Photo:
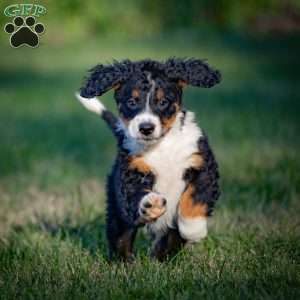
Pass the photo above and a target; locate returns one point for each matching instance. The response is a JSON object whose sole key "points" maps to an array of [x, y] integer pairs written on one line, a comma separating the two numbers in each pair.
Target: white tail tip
{"points": [[91, 104]]}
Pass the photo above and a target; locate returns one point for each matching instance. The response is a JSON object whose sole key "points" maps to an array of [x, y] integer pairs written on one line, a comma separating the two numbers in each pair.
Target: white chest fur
{"points": [[169, 159]]}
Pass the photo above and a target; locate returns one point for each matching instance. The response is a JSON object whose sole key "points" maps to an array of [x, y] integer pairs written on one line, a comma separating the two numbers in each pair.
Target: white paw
{"points": [[152, 206], [91, 104]]}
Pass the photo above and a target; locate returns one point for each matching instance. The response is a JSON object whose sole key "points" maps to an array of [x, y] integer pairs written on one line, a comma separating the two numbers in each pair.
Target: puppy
{"points": [[165, 175]]}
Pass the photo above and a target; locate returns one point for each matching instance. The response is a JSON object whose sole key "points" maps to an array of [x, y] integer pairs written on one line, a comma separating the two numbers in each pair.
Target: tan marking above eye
{"points": [[160, 94], [182, 83], [189, 209], [135, 93]]}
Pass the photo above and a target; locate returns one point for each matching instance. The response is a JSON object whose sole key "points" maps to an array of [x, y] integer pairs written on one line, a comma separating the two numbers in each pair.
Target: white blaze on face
{"points": [[146, 116]]}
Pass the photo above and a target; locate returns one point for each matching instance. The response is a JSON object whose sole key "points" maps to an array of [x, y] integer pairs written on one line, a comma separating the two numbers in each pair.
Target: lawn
{"points": [[54, 157]]}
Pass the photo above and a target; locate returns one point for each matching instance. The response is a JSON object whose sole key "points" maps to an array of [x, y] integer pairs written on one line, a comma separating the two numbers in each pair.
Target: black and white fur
{"points": [[165, 175]]}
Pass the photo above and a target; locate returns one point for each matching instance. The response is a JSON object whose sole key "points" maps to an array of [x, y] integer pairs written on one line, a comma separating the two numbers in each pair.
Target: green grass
{"points": [[54, 157]]}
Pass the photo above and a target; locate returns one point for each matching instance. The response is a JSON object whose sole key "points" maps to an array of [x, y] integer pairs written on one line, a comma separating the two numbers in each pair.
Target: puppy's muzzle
{"points": [[146, 128]]}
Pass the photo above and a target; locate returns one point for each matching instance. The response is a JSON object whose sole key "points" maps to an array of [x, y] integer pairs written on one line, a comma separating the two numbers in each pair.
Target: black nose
{"points": [[146, 128]]}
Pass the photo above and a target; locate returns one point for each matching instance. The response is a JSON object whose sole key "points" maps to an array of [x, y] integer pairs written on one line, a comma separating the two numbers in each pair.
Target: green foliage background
{"points": [[133, 18]]}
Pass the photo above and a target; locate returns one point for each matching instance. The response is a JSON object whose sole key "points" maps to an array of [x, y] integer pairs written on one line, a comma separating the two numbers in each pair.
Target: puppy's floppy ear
{"points": [[103, 78], [192, 71]]}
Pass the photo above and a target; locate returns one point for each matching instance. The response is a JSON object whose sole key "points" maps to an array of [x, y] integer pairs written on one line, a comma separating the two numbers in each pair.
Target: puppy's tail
{"points": [[96, 106]]}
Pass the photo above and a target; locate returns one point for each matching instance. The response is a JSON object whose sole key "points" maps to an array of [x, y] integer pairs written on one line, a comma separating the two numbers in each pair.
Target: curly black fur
{"points": [[195, 72], [192, 71]]}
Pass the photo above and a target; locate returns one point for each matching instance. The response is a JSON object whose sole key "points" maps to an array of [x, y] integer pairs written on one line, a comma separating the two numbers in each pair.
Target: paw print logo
{"points": [[24, 32]]}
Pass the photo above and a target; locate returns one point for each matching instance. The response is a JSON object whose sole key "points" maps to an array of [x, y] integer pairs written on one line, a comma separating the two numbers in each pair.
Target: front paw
{"points": [[152, 206]]}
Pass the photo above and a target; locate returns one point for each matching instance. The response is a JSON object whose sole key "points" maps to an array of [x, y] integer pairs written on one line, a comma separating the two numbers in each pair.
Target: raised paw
{"points": [[152, 206]]}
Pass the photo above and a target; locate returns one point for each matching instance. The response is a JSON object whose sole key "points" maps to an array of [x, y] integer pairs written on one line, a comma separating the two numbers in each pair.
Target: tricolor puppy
{"points": [[165, 175]]}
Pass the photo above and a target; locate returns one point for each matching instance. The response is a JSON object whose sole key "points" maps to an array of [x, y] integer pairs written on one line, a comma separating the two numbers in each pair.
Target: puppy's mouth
{"points": [[148, 140]]}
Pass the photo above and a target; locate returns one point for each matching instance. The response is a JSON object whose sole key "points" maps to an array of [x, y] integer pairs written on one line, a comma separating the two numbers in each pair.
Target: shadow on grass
{"points": [[89, 235]]}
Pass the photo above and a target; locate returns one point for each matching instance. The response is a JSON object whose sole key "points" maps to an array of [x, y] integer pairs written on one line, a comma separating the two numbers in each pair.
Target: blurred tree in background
{"points": [[133, 18], [223, 14]]}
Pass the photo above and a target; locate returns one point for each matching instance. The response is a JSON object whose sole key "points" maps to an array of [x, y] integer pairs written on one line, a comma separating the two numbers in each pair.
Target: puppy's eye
{"points": [[163, 103], [132, 103]]}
